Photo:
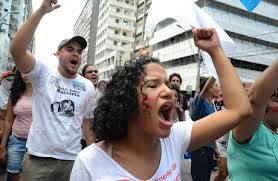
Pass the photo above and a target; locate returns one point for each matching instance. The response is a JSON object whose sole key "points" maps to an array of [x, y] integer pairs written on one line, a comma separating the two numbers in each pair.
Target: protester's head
{"points": [[69, 54], [143, 52], [175, 79], [18, 86], [138, 97], [102, 85], [90, 72], [271, 115], [176, 92]]}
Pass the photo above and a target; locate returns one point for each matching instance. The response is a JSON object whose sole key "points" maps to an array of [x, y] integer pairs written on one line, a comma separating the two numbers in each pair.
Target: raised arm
{"points": [[23, 59], [259, 95], [237, 106]]}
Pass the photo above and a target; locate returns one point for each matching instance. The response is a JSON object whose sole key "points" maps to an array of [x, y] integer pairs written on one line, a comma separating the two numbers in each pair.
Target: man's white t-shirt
{"points": [[93, 163], [59, 106]]}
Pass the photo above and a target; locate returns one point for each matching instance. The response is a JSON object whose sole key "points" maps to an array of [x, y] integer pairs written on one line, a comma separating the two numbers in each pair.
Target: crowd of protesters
{"points": [[136, 126]]}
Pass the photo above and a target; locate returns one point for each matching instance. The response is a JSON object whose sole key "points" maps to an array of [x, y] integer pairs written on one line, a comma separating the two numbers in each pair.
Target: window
{"points": [[115, 42], [117, 20], [124, 33], [125, 22], [127, 1], [116, 32], [126, 12], [6, 10], [117, 10], [123, 43]]}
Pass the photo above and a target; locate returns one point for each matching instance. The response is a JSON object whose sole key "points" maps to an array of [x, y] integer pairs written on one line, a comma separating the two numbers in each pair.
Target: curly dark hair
{"points": [[17, 88], [175, 75], [120, 101]]}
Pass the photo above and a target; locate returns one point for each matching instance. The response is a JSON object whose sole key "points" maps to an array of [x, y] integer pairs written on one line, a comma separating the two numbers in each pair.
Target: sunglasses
{"points": [[92, 71]]}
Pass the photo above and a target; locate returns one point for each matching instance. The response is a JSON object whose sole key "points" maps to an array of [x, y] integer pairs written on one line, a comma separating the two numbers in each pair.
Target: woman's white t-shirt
{"points": [[94, 164]]}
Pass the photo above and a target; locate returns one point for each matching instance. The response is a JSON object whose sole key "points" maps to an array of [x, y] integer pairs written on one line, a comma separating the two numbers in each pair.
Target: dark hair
{"points": [[84, 69], [120, 101], [17, 88], [175, 75]]}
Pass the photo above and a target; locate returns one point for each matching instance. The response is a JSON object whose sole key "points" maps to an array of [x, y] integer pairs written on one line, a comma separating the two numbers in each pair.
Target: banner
{"points": [[186, 12]]}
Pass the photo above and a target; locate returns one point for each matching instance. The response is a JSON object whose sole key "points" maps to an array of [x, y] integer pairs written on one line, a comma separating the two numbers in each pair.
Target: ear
{"points": [[57, 53]]}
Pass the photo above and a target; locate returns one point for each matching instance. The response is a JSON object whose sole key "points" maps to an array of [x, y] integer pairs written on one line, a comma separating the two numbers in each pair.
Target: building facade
{"points": [[13, 14], [255, 34], [115, 34], [86, 26]]}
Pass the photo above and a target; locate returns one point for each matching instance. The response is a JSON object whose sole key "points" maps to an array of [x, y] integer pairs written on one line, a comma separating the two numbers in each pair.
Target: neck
{"points": [[65, 74], [138, 141], [28, 90]]}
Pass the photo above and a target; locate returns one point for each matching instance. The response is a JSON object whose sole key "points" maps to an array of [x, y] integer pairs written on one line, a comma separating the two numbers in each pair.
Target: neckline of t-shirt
{"points": [[64, 78], [124, 171]]}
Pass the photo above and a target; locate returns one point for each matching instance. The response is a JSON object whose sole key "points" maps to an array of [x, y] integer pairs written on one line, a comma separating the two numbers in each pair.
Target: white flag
{"points": [[186, 12]]}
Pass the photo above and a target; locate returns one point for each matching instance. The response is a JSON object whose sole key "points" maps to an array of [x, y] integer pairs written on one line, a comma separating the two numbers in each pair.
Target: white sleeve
{"points": [[39, 74], [79, 171], [182, 131], [91, 104]]}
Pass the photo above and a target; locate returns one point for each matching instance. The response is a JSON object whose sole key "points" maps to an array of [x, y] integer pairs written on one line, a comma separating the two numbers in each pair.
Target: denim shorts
{"points": [[15, 152]]}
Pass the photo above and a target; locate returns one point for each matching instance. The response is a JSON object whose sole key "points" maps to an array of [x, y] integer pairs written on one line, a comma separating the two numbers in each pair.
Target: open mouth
{"points": [[165, 113], [74, 62]]}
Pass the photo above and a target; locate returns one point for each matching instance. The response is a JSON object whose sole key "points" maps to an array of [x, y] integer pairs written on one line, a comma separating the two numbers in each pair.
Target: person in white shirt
{"points": [[133, 121], [63, 103]]}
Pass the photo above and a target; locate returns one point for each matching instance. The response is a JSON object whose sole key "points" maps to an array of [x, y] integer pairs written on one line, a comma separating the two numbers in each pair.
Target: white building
{"points": [[13, 13], [256, 36], [115, 34], [86, 26]]}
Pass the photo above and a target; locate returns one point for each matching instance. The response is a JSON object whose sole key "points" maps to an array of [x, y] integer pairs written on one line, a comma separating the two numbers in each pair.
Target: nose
{"points": [[166, 92]]}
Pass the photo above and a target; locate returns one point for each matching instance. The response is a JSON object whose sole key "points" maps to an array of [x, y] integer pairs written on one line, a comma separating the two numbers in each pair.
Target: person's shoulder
{"points": [[89, 153]]}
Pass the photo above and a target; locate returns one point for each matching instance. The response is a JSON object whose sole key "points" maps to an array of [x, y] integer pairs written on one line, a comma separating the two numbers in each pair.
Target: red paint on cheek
{"points": [[148, 103]]}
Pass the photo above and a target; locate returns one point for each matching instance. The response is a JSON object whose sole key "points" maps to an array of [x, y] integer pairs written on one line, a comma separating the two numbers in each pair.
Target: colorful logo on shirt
{"points": [[79, 86], [64, 108]]}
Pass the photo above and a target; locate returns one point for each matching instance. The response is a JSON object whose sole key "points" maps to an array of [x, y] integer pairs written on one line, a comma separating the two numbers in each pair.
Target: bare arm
{"points": [[6, 131], [88, 132], [236, 101], [205, 91], [23, 59], [259, 94]]}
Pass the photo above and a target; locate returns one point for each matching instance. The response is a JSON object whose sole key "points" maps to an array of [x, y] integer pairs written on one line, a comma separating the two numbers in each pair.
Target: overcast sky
{"points": [[55, 27]]}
